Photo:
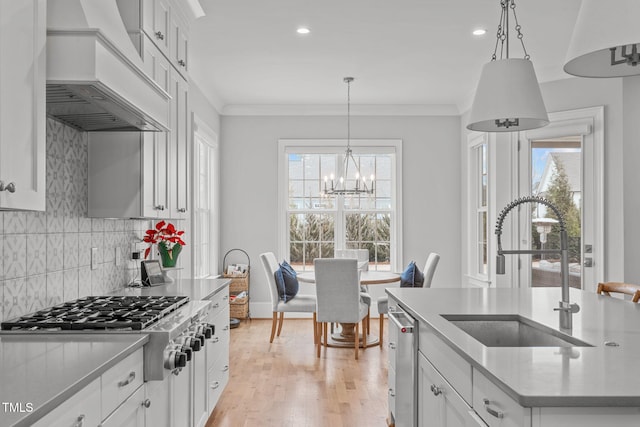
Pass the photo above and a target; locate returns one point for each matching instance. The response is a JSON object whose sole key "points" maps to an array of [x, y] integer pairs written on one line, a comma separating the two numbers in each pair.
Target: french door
{"points": [[563, 163]]}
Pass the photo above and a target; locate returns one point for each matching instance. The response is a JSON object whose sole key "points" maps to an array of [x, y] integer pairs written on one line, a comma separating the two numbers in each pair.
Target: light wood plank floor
{"points": [[285, 384]]}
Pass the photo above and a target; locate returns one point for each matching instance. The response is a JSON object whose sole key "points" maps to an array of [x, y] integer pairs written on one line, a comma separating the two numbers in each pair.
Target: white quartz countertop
{"points": [[195, 289], [42, 371], [542, 376]]}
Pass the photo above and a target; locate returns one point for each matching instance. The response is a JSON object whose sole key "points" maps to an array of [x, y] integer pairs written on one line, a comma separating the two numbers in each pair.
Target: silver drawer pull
{"points": [[216, 339], [215, 385], [490, 410], [226, 368], [159, 35], [130, 378], [392, 393], [146, 403], [10, 187], [216, 305], [79, 421], [182, 63], [392, 345], [435, 390], [226, 328], [182, 210]]}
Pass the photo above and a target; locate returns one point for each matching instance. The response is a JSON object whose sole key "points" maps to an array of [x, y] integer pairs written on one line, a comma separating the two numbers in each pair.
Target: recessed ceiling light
{"points": [[303, 30], [479, 32]]}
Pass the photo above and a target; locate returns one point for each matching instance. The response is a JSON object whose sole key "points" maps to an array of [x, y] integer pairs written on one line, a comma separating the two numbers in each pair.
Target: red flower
{"points": [[165, 233]]}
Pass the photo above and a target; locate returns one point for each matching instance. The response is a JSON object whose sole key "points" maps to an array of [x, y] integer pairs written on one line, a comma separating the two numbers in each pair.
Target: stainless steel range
{"points": [[176, 326]]}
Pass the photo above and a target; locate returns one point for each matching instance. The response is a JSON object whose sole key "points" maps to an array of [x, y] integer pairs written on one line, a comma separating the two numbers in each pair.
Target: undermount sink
{"points": [[511, 330]]}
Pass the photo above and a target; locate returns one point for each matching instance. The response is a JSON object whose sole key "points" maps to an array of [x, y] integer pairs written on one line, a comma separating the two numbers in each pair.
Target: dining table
{"points": [[345, 335]]}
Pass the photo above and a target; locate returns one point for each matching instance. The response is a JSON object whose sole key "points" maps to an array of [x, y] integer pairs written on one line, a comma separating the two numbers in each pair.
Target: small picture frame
{"points": [[152, 273]]}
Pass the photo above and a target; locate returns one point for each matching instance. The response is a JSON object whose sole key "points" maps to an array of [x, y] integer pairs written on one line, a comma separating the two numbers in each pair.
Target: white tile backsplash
{"points": [[45, 257]]}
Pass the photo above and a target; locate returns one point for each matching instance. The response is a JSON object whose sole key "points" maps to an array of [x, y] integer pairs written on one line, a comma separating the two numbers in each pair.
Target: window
{"points": [[205, 221], [314, 225], [478, 207]]}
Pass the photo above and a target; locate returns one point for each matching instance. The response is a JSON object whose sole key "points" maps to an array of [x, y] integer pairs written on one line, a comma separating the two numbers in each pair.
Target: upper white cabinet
{"points": [[22, 104], [179, 170]]}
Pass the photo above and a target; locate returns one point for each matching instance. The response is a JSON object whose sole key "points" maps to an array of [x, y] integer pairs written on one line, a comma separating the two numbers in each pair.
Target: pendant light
{"points": [[605, 40], [341, 187], [508, 96]]}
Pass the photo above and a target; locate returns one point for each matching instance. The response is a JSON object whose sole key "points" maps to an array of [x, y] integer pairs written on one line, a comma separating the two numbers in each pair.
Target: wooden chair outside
{"points": [[619, 287]]}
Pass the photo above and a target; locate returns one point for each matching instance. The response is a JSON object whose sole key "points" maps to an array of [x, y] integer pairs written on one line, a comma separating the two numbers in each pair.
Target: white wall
{"points": [[431, 185], [575, 93]]}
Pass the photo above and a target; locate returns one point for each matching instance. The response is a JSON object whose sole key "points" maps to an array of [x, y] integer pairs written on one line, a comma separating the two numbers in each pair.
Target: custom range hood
{"points": [[95, 77]]}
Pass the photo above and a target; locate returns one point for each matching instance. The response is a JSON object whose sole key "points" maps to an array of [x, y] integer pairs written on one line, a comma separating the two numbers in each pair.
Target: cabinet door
{"points": [[130, 413], [159, 412], [180, 384], [22, 104], [438, 403], [179, 44], [83, 408], [180, 143], [155, 23]]}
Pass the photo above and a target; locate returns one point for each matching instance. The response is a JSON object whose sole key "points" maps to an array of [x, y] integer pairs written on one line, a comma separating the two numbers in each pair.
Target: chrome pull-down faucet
{"points": [[565, 308]]}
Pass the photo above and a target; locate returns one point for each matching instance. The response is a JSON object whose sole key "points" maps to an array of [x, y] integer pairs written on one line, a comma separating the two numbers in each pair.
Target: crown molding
{"points": [[339, 110]]}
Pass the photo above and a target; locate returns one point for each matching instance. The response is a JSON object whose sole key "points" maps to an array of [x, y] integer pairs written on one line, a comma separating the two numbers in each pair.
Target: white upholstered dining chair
{"points": [[429, 270], [300, 303], [338, 298]]}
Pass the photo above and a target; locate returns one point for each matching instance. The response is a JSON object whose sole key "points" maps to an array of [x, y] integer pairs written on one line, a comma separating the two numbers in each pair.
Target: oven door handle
{"points": [[402, 321]]}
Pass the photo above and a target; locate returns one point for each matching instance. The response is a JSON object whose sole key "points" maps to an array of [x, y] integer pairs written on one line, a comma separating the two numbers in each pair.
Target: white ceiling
{"points": [[418, 54]]}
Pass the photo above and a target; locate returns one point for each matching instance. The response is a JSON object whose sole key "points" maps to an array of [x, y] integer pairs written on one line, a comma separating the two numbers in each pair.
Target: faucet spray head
{"points": [[500, 264]]}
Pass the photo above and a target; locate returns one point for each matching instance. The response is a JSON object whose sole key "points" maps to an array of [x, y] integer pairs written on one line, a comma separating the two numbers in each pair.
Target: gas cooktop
{"points": [[96, 313]]}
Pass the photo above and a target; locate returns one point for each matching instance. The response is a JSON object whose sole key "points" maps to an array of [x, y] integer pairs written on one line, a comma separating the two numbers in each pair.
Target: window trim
{"points": [[474, 141], [374, 146]]}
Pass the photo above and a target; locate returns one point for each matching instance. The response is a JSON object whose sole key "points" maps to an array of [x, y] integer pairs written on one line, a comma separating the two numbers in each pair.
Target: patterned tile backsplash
{"points": [[45, 257]]}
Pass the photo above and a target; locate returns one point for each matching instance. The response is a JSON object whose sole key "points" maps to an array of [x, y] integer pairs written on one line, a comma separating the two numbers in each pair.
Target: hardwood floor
{"points": [[285, 384]]}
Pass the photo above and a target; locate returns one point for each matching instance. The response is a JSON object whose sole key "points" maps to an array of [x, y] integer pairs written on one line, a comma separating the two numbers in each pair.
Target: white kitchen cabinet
{"points": [[83, 408], [179, 146], [22, 105], [156, 22], [439, 405], [159, 412], [130, 414], [217, 351], [179, 45], [495, 407]]}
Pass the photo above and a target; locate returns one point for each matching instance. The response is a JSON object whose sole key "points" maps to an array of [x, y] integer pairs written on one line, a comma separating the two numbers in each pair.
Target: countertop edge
{"points": [[74, 388]]}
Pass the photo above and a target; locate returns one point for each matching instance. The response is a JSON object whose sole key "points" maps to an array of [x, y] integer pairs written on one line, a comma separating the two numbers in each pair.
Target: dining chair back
{"points": [[619, 287], [429, 270], [338, 296], [300, 303]]}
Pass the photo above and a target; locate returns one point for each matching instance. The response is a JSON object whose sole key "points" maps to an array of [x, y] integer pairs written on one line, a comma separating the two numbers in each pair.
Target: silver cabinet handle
{"points": [[79, 421], [496, 413], [392, 393], [392, 345], [159, 35], [159, 207], [130, 378], [215, 385], [435, 390], [146, 403], [182, 63], [215, 340], [226, 328], [226, 368], [182, 210], [10, 187]]}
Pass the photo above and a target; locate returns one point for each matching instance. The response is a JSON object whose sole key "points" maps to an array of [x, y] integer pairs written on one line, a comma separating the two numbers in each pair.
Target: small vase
{"points": [[169, 256]]}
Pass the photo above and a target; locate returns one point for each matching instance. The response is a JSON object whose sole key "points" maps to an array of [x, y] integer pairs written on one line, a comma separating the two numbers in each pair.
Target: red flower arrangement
{"points": [[165, 235]]}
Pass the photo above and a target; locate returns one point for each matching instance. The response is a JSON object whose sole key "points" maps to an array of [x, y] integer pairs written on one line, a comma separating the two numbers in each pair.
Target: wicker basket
{"points": [[238, 308]]}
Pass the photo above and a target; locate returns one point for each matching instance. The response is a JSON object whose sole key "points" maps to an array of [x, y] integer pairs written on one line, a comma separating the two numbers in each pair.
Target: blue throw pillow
{"points": [[291, 284], [279, 283], [411, 277]]}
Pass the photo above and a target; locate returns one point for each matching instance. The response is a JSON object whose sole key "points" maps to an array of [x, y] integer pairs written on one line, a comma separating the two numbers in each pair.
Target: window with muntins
{"points": [[317, 224]]}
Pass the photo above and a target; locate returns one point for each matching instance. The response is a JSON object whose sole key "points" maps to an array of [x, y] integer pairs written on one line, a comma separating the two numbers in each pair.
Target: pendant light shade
{"points": [[508, 98], [605, 40]]}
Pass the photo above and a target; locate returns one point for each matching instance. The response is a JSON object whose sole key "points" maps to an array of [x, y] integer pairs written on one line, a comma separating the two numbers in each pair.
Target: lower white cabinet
{"points": [[439, 405], [495, 406], [131, 413], [159, 412], [83, 408]]}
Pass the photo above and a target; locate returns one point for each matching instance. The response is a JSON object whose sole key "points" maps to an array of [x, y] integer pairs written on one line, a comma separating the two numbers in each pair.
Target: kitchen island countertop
{"points": [[601, 375], [39, 372]]}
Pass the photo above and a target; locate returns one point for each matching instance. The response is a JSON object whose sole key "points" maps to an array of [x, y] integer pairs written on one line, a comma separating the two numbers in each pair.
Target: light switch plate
{"points": [[94, 258]]}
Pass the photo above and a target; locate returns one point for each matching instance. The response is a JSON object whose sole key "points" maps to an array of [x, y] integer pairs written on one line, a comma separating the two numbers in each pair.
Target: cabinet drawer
{"points": [[218, 378], [119, 382], [218, 345], [219, 302], [129, 414], [449, 363], [83, 406], [495, 407]]}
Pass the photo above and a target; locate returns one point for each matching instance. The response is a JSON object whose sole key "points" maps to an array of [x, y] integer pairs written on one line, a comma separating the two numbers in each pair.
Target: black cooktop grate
{"points": [[106, 312]]}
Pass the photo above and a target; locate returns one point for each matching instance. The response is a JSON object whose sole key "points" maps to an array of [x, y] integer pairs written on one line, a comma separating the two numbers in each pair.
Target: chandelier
{"points": [[508, 97], [340, 188]]}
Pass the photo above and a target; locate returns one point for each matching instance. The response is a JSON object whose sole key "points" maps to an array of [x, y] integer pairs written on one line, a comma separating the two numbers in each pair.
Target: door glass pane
{"points": [[557, 176]]}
